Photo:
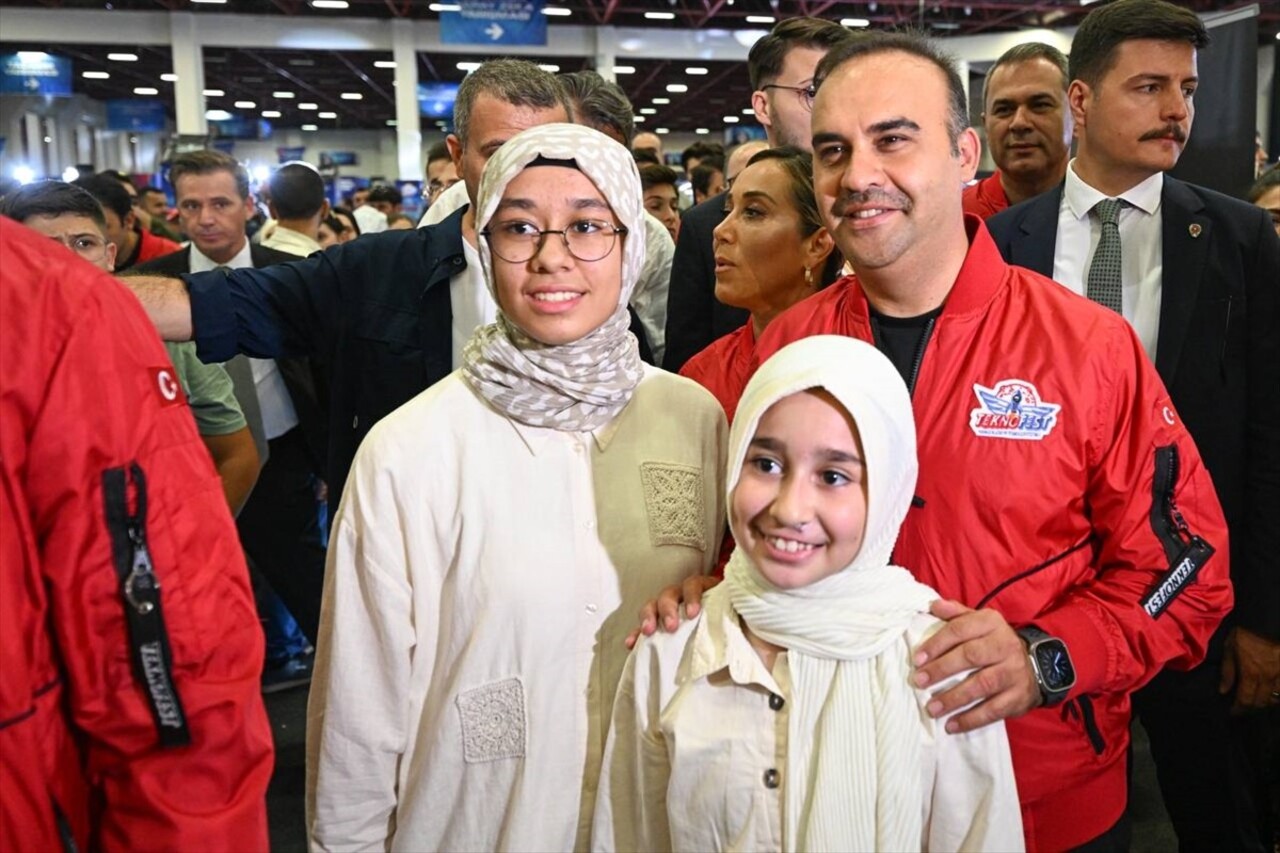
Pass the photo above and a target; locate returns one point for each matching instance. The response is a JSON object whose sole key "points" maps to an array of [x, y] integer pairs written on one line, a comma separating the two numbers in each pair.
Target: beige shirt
{"points": [[287, 240], [482, 576], [697, 752]]}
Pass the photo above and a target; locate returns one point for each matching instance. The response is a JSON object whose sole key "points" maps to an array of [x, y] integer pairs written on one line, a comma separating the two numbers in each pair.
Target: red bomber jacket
{"points": [[131, 716], [1059, 487]]}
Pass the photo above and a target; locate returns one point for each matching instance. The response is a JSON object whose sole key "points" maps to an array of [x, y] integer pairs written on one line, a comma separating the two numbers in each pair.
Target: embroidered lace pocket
{"points": [[673, 503], [493, 721]]}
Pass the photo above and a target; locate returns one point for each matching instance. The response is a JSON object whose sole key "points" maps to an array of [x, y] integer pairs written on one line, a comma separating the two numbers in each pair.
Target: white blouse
{"points": [[482, 575], [697, 752]]}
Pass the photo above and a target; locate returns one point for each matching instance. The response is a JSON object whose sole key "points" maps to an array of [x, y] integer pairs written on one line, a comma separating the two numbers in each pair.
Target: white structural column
{"points": [[188, 64], [408, 118], [606, 52]]}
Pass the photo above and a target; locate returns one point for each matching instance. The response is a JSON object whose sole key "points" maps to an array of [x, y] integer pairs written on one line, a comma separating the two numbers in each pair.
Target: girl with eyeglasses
{"points": [[499, 531]]}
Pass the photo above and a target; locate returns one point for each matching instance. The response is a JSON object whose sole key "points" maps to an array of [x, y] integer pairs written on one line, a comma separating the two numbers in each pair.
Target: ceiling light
{"points": [[213, 93], [217, 115], [558, 11], [748, 111], [385, 63], [660, 16], [624, 69], [445, 7], [307, 105], [329, 4], [209, 1], [23, 174], [310, 127], [662, 101], [123, 57], [245, 105], [326, 115], [731, 119], [854, 22], [648, 111], [391, 122], [69, 174], [302, 63], [467, 66], [550, 69], [637, 118], [661, 130], [760, 19], [945, 25], [145, 90], [702, 131], [695, 72], [351, 96], [96, 75], [282, 94], [271, 114], [677, 87]]}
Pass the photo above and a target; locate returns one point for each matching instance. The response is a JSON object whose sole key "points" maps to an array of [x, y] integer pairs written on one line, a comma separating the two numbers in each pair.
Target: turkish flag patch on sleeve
{"points": [[168, 389]]}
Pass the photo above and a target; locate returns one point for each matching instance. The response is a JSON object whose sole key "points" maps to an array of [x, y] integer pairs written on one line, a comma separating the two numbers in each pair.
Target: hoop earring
{"points": [[808, 276]]}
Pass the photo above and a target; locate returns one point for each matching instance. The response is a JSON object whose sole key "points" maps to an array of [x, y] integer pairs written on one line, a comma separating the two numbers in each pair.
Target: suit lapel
{"points": [[1034, 250], [1186, 232]]}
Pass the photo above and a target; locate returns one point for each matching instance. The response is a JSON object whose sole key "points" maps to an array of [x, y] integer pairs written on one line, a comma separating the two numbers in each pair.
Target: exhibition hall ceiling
{"points": [[355, 89]]}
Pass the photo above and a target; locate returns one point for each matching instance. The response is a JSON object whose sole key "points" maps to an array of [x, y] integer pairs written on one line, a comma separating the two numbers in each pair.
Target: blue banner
{"points": [[30, 72], [137, 114], [290, 153], [435, 100], [239, 127], [338, 158], [495, 22]]}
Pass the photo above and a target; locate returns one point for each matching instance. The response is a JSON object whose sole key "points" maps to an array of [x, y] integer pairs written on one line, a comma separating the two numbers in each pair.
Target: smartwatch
{"points": [[1051, 663]]}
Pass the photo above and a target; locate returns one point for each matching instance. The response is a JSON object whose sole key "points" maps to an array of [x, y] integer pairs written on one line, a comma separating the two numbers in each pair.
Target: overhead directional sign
{"points": [[495, 22], [30, 72]]}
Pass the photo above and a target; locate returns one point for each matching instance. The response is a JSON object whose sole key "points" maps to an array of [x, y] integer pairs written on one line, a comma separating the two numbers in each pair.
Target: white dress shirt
{"points": [[698, 729], [287, 240], [471, 303], [278, 414], [482, 575], [1141, 246]]}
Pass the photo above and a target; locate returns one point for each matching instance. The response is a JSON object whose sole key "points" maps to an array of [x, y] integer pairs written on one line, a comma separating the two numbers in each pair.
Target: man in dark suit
{"points": [[1199, 277], [279, 523], [781, 66]]}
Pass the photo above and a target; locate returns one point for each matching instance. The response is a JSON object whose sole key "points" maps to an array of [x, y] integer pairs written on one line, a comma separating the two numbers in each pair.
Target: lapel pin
{"points": [[1194, 229]]}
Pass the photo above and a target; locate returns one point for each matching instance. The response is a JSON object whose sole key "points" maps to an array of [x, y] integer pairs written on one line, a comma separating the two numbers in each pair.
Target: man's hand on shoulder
{"points": [[666, 607], [1002, 683]]}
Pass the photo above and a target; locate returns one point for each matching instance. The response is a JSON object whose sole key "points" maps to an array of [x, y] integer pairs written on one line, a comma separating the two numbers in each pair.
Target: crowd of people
{"points": [[821, 497]]}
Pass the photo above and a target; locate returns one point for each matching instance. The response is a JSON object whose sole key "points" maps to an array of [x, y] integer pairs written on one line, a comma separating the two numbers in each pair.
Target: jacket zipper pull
{"points": [[141, 585]]}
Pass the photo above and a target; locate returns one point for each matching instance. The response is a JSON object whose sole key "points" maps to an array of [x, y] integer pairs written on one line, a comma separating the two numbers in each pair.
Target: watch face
{"points": [[1055, 665]]}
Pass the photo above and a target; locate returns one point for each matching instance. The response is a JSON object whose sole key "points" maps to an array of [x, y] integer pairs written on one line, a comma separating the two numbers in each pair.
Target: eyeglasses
{"points": [[518, 241], [806, 94]]}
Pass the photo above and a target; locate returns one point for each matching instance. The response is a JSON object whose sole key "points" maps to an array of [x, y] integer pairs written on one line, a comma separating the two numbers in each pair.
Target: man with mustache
{"points": [[1025, 116], [1199, 276]]}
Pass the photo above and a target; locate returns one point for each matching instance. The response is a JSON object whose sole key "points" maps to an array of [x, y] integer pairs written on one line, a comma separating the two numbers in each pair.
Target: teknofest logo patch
{"points": [[1012, 409]]}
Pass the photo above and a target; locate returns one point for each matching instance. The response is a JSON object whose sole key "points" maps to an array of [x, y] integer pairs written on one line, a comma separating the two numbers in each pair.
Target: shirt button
{"points": [[776, 702], [591, 608], [591, 525], [771, 778], [355, 422]]}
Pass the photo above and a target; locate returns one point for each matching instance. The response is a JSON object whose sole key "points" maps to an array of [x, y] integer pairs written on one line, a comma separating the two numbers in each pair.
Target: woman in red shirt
{"points": [[771, 251]]}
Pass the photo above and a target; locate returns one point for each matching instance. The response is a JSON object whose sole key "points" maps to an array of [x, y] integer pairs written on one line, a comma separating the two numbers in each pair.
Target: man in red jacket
{"points": [[130, 712], [1061, 510]]}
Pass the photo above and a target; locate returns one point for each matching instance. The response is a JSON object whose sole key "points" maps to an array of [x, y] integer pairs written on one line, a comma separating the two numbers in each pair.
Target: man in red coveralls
{"points": [[130, 654], [1062, 510]]}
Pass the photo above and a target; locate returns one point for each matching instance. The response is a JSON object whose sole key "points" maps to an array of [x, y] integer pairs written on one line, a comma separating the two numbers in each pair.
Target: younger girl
{"points": [[782, 718]]}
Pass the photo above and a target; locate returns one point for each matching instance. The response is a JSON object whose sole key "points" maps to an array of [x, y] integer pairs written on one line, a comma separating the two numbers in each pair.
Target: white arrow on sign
{"points": [[494, 31]]}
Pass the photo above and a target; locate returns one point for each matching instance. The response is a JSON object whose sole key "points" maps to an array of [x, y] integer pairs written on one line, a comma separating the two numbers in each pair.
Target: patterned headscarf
{"points": [[853, 741], [584, 384]]}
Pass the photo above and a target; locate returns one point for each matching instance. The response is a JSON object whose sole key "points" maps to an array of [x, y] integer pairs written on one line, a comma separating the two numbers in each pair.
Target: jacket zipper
{"points": [[919, 356], [140, 591], [1187, 553]]}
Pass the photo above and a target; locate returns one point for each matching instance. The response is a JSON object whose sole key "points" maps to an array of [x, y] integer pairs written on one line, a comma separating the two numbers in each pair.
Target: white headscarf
{"points": [[584, 384], [853, 765]]}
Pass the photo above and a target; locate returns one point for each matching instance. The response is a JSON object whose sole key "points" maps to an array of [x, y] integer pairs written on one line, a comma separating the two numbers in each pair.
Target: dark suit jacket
{"points": [[305, 380], [1218, 353], [695, 317]]}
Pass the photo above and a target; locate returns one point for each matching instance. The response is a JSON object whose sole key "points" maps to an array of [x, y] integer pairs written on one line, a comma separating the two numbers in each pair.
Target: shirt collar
{"points": [[1080, 198], [719, 643], [200, 262]]}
